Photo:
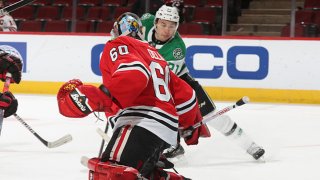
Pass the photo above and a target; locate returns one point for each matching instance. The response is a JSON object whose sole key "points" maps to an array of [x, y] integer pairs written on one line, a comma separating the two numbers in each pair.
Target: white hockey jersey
{"points": [[7, 24]]}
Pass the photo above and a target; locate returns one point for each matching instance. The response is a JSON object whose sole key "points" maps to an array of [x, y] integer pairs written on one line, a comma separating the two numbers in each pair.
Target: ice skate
{"points": [[174, 151], [256, 152]]}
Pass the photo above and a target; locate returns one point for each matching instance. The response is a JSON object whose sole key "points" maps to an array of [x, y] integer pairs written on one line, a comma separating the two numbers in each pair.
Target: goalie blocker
{"points": [[78, 100]]}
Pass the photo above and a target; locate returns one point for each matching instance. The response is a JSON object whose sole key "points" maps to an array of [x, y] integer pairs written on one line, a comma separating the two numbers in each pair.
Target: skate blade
{"points": [[261, 160]]}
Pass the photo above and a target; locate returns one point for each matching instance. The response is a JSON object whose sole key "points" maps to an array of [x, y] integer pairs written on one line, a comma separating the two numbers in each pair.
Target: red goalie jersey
{"points": [[146, 93]]}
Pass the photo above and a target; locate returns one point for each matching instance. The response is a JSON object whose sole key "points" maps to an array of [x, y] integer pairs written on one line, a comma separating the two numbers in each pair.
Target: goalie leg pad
{"points": [[160, 174], [109, 171]]}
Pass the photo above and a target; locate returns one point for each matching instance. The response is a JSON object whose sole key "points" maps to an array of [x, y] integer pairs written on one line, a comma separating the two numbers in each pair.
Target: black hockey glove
{"points": [[10, 64], [8, 103]]}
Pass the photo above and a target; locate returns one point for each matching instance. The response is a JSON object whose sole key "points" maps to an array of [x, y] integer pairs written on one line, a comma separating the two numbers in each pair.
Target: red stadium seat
{"points": [[113, 3], [190, 28], [41, 2], [312, 4], [120, 10], [94, 13], [192, 3], [84, 26], [89, 2], [188, 14], [30, 26], [305, 16], [104, 26], [299, 30], [48, 13], [25, 12], [204, 15], [316, 18], [57, 26], [63, 3], [214, 3], [106, 14], [67, 13], [12, 1], [130, 3]]}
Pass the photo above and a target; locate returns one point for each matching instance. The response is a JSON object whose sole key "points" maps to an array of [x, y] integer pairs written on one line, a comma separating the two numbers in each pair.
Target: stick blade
{"points": [[65, 139]]}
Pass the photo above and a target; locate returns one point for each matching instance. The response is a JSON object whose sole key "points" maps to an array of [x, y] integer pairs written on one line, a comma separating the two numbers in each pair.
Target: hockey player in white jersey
{"points": [[7, 23]]}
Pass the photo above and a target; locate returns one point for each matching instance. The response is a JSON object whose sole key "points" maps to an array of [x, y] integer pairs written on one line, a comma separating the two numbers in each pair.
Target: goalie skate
{"points": [[174, 151], [256, 151]]}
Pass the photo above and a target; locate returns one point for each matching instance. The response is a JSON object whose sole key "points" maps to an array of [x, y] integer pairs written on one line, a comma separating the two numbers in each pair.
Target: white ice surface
{"points": [[289, 133]]}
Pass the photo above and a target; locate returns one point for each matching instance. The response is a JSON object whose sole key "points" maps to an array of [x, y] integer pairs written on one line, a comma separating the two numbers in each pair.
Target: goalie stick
{"points": [[210, 117], [15, 6], [103, 135], [103, 140]]}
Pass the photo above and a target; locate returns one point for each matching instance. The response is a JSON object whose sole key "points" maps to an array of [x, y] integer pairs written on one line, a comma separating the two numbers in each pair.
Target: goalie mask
{"points": [[4, 49], [127, 24]]}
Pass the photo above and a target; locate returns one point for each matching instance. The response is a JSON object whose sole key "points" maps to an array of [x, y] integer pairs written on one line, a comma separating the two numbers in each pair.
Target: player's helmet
{"points": [[127, 24], [168, 13], [4, 49]]}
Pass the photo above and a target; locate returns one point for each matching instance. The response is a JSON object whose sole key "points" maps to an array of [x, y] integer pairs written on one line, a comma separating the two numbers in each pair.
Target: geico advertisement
{"points": [[271, 64]]}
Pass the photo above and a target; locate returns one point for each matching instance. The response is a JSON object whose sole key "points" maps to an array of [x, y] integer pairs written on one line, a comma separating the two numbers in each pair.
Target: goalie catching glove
{"points": [[78, 100], [8, 103]]}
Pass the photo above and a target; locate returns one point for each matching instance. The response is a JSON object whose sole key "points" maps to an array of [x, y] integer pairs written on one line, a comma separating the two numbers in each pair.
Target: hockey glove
{"points": [[191, 134], [12, 65], [8, 103], [78, 100]]}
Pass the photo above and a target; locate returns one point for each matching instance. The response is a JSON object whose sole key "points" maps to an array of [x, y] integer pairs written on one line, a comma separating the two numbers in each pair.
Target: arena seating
{"points": [[200, 16]]}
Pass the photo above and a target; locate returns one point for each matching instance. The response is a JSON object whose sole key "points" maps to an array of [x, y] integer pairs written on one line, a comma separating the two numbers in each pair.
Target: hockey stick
{"points": [[103, 135], [240, 102], [15, 6], [63, 140], [57, 143], [5, 88], [105, 139]]}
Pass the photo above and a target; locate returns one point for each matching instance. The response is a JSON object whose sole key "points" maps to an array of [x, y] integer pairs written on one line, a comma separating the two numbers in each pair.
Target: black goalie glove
{"points": [[9, 63], [8, 103]]}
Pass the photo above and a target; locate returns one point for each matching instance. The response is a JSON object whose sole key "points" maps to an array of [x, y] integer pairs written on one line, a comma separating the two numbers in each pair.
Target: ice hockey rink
{"points": [[290, 133]]}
